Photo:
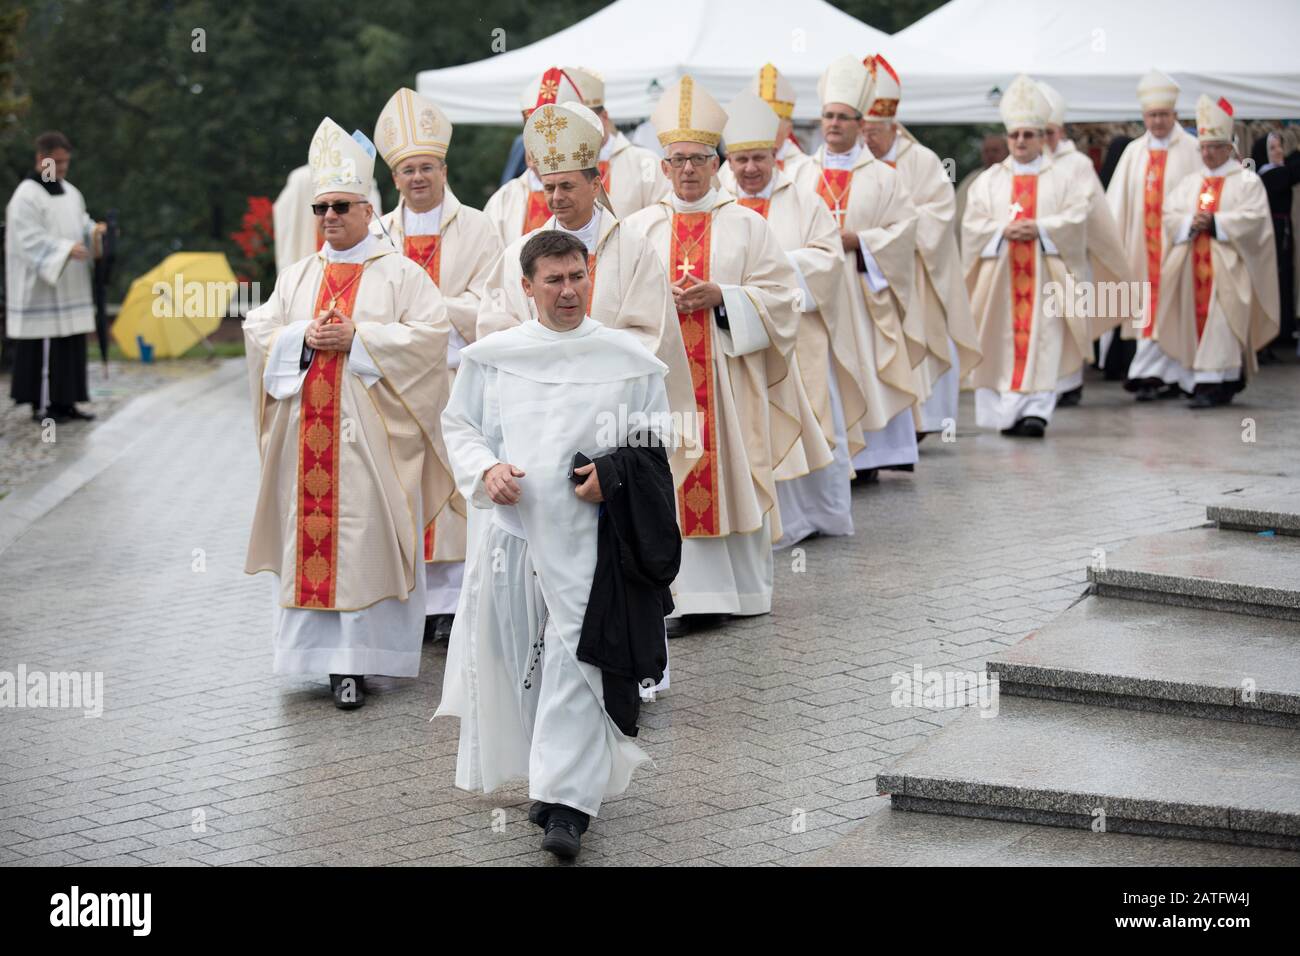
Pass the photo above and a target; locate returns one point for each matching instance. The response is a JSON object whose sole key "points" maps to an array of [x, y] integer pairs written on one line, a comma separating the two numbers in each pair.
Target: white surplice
{"points": [[48, 292], [532, 396]]}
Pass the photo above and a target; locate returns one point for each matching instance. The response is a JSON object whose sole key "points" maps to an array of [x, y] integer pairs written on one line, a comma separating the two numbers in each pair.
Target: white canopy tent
{"points": [[641, 47], [1094, 52]]}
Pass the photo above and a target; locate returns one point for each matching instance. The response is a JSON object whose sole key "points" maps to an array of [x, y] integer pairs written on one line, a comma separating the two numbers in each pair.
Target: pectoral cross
{"points": [[1016, 210], [685, 267], [1207, 199]]}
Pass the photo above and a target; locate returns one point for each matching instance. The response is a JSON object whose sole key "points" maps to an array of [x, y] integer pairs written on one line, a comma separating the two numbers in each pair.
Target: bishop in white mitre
{"points": [[776, 90], [628, 286], [1108, 265], [735, 299], [296, 232], [877, 221], [814, 497], [939, 312], [519, 207], [1218, 283], [630, 175], [1146, 174], [1023, 231], [347, 364], [455, 246]]}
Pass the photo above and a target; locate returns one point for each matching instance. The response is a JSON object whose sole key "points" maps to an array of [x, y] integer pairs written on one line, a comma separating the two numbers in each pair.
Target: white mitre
{"points": [[1023, 105], [1157, 91], [1213, 120], [411, 125], [339, 164]]}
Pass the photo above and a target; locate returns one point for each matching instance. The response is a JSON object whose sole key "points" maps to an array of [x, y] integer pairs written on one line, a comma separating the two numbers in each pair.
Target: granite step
{"points": [[1280, 515], [1237, 571], [1162, 658], [1076, 765], [896, 838]]}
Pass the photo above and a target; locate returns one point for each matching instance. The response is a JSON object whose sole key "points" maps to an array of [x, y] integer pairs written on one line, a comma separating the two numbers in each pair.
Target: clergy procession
{"points": [[659, 430], [560, 431]]}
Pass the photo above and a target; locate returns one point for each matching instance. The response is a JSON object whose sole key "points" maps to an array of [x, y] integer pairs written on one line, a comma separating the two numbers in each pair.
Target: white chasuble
{"points": [[748, 417], [1028, 339], [456, 246], [870, 199], [1219, 299], [352, 459]]}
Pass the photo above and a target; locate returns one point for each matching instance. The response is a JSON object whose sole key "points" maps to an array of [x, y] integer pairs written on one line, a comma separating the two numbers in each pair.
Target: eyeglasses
{"points": [[698, 161], [1023, 134], [842, 117], [340, 208]]}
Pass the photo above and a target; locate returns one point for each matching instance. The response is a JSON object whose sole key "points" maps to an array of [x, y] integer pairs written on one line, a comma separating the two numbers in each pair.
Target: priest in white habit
{"points": [[455, 246], [296, 231], [630, 175], [49, 244], [347, 363], [1107, 262], [735, 295], [877, 221], [1149, 169], [1024, 229], [1219, 292], [939, 313], [525, 401], [813, 500], [628, 288], [519, 207]]}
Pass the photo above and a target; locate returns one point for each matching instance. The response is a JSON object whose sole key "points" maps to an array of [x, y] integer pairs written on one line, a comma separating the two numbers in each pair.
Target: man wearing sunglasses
{"points": [[455, 246], [347, 362], [1023, 230]]}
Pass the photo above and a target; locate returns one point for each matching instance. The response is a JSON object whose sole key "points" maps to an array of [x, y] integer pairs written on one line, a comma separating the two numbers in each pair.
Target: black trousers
{"points": [[67, 372]]}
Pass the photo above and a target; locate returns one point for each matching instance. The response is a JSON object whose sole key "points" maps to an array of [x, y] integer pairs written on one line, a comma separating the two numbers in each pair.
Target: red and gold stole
{"points": [[537, 212], [603, 168], [1202, 262], [699, 497], [834, 187], [757, 204], [1153, 200], [318, 452], [426, 252], [1024, 204]]}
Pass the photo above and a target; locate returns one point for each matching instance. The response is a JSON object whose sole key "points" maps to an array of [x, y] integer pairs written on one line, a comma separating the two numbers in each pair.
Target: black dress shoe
{"points": [[866, 476], [430, 626], [349, 690], [562, 829], [908, 467], [1203, 398], [1147, 394], [442, 628], [677, 627], [79, 415], [1071, 398], [1170, 391], [1031, 426]]}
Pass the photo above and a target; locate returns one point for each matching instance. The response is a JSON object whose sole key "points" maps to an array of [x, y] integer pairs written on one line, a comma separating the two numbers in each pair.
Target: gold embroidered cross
{"points": [[550, 124]]}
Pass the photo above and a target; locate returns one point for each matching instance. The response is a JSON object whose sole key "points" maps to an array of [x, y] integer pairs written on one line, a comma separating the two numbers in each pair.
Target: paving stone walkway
{"points": [[766, 748]]}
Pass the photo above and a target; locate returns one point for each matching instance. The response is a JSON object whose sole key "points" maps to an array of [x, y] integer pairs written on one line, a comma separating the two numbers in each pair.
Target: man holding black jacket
{"points": [[526, 401]]}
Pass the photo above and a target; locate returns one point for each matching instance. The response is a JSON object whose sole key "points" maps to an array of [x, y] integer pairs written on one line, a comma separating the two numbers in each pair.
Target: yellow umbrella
{"points": [[176, 304]]}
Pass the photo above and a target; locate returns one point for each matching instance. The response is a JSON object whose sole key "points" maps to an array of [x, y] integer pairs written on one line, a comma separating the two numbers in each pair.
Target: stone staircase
{"points": [[1164, 704]]}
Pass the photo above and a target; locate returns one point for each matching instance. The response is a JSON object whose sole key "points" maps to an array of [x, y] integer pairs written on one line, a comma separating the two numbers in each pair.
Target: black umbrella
{"points": [[103, 274]]}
